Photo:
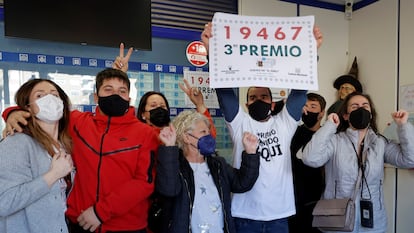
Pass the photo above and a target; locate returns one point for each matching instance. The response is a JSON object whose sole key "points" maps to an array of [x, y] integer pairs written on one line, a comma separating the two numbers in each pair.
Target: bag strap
{"points": [[357, 184], [360, 164]]}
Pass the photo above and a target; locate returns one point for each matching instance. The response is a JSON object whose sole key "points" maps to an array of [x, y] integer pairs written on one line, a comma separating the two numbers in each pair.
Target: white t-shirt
{"points": [[272, 196], [207, 213]]}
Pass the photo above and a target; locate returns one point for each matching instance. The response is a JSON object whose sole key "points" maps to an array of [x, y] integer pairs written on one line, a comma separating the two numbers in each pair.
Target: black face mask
{"points": [[159, 117], [113, 105], [360, 118], [259, 110], [311, 119]]}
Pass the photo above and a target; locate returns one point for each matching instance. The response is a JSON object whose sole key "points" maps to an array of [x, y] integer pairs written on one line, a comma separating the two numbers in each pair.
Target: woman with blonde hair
{"points": [[199, 182]]}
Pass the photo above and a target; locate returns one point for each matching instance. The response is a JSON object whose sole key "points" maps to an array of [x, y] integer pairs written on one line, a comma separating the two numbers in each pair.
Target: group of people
{"points": [[99, 170]]}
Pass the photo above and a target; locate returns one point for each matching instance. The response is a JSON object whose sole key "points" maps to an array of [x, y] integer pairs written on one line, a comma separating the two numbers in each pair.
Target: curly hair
{"points": [[185, 122]]}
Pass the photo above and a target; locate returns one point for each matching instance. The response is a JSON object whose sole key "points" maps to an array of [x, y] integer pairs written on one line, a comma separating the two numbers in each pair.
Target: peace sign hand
{"points": [[121, 61]]}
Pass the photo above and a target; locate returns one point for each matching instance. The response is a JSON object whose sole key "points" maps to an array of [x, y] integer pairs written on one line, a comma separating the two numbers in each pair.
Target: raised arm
{"points": [[121, 61], [401, 154], [197, 99], [228, 102], [295, 102]]}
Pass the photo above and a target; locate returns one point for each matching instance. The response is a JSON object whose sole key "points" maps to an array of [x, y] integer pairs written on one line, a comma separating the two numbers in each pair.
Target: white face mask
{"points": [[50, 108]]}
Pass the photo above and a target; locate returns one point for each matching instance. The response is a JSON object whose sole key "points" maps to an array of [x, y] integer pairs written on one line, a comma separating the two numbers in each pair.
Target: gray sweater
{"points": [[26, 202]]}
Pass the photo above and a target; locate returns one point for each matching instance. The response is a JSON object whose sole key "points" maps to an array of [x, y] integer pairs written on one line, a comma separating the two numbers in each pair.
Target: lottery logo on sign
{"points": [[197, 53]]}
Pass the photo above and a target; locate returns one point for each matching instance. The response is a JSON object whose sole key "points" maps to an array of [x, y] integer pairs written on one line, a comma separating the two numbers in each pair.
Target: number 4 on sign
{"points": [[200, 80]]}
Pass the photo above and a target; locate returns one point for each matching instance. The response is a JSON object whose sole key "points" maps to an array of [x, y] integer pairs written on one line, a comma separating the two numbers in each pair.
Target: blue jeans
{"points": [[254, 226]]}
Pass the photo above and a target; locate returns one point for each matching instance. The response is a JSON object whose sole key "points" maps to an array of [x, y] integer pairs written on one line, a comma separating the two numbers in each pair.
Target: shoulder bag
{"points": [[337, 214]]}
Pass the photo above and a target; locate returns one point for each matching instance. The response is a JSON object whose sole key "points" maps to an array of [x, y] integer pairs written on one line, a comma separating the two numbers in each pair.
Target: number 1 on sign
{"points": [[200, 80], [279, 33]]}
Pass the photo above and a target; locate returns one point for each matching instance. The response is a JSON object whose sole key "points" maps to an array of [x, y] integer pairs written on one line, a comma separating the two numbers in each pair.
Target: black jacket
{"points": [[175, 179]]}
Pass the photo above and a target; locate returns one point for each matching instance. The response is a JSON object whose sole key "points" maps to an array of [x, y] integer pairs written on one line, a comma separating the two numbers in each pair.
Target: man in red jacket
{"points": [[114, 156]]}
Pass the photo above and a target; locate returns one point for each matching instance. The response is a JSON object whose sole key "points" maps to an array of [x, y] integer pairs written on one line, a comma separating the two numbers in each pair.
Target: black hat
{"points": [[351, 77], [348, 78]]}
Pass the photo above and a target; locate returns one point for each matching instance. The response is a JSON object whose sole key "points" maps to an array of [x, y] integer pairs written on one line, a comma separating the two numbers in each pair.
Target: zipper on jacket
{"points": [[98, 183], [380, 195], [191, 202], [151, 167]]}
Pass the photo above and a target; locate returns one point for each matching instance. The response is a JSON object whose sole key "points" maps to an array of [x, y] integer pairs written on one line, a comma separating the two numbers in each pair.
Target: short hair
{"points": [[185, 122], [319, 98], [143, 102], [110, 73], [247, 94]]}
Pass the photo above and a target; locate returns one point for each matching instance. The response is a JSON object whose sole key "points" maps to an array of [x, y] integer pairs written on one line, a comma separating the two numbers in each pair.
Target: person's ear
{"points": [[346, 116], [186, 138], [321, 114], [273, 105], [95, 97]]}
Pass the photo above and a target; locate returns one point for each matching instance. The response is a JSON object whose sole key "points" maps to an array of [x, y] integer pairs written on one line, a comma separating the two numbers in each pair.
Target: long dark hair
{"points": [[22, 100], [343, 110], [143, 102]]}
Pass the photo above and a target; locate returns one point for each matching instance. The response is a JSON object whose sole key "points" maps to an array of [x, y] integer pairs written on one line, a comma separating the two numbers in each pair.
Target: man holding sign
{"points": [[266, 207]]}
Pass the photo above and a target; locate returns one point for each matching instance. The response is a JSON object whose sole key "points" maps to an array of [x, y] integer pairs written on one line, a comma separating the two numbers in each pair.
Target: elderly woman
{"points": [[200, 182]]}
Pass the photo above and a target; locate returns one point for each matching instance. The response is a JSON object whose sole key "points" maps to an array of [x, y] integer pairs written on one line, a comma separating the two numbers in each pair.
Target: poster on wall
{"points": [[201, 80], [407, 97], [278, 52]]}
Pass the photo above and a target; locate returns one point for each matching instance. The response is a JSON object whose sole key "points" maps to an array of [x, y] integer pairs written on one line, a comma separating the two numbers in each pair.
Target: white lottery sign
{"points": [[201, 80], [263, 51]]}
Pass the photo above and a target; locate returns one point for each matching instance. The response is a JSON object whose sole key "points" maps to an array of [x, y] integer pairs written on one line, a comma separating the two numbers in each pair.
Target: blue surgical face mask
{"points": [[206, 145]]}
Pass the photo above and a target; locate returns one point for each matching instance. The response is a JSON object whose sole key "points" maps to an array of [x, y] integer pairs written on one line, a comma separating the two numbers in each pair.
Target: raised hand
{"points": [[168, 135], [400, 117], [195, 95], [250, 142], [121, 61], [333, 117], [318, 36], [206, 34]]}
